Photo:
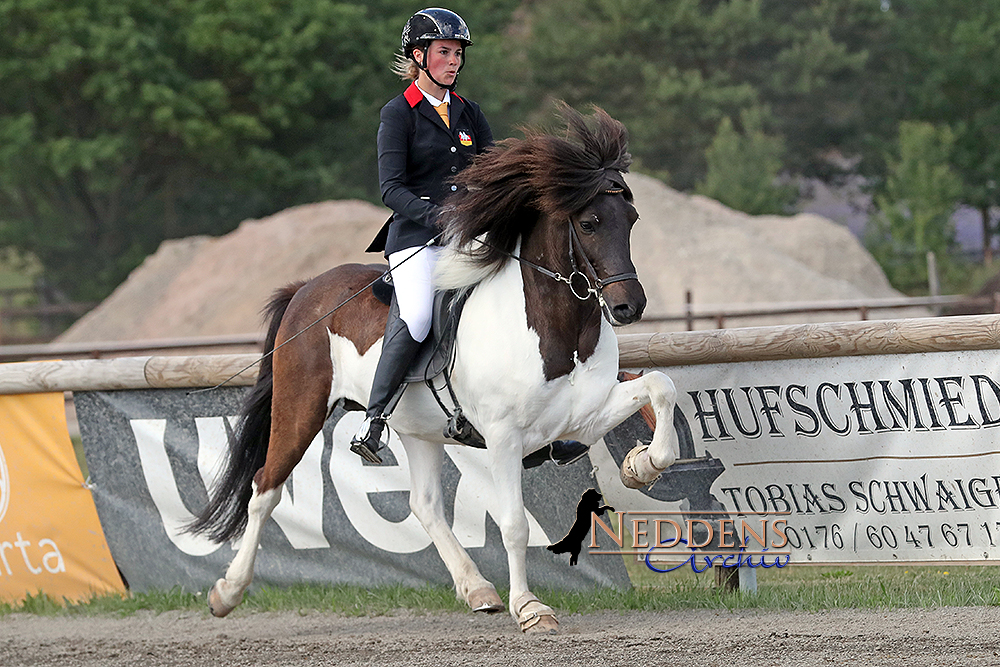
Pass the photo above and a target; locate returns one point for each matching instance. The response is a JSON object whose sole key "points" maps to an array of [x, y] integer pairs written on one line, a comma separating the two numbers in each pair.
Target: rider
{"points": [[426, 135]]}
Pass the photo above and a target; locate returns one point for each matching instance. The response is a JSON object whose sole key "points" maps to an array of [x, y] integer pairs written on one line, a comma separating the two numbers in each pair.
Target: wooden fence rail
{"points": [[968, 332], [98, 350], [721, 314]]}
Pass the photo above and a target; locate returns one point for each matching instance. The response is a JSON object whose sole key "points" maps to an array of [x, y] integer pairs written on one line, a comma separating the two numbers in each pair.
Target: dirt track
{"points": [[948, 636]]}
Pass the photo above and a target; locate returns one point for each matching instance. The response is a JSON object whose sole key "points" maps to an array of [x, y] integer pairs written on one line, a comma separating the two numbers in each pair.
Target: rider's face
{"points": [[444, 57]]}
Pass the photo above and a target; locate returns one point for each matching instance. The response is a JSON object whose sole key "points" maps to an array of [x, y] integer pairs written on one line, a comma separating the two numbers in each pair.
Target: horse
{"points": [[539, 242]]}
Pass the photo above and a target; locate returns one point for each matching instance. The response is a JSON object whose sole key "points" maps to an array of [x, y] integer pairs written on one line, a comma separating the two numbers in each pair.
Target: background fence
{"points": [[717, 316]]}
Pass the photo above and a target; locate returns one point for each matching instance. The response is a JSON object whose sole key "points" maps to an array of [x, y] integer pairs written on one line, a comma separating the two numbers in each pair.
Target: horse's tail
{"points": [[225, 516]]}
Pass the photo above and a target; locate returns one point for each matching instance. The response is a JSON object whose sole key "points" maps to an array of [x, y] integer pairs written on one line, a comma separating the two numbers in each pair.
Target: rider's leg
{"points": [[408, 324]]}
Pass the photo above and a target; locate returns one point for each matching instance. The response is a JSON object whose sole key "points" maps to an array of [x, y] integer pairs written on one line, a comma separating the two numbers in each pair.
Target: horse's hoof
{"points": [[219, 608], [545, 625], [485, 599], [637, 470], [534, 617]]}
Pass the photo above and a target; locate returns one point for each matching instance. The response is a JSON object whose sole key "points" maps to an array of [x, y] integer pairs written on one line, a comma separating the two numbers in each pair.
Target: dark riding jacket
{"points": [[417, 157]]}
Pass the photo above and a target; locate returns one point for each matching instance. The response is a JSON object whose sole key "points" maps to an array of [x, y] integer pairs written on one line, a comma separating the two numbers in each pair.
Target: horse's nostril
{"points": [[625, 313]]}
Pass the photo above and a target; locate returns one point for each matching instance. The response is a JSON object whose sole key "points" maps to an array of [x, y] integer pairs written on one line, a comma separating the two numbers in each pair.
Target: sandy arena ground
{"points": [[946, 636]]}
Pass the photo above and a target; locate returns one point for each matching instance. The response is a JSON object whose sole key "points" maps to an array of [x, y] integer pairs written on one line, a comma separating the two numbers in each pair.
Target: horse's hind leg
{"points": [[428, 506], [299, 408], [228, 592]]}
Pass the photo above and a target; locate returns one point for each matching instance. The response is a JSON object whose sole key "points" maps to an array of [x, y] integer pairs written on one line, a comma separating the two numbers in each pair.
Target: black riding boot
{"points": [[560, 452], [398, 351]]}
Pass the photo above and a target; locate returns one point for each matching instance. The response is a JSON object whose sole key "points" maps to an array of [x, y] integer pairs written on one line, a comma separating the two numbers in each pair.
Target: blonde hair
{"points": [[405, 68]]}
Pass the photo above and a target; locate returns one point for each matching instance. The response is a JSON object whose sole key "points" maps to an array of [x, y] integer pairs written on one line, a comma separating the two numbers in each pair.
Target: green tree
{"points": [[948, 72], [647, 62], [673, 69], [914, 211], [125, 122], [743, 168], [820, 66]]}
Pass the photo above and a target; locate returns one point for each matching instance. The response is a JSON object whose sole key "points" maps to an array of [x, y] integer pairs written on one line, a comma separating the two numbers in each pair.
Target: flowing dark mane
{"points": [[509, 186]]}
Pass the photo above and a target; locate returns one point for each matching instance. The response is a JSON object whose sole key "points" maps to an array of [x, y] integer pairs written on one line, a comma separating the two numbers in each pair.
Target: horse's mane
{"points": [[508, 187]]}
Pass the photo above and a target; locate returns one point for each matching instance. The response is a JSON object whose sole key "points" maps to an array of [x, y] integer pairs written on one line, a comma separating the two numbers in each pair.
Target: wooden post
{"points": [[664, 349], [128, 373], [689, 315], [727, 578], [933, 281]]}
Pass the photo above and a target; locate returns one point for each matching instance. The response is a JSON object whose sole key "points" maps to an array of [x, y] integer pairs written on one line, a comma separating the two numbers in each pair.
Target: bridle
{"points": [[580, 284]]}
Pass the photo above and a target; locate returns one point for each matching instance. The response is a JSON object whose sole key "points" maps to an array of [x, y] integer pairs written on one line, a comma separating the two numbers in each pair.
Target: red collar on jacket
{"points": [[413, 95]]}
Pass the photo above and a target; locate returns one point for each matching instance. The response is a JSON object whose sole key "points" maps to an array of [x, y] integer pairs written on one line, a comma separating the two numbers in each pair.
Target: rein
{"points": [[314, 323], [591, 287]]}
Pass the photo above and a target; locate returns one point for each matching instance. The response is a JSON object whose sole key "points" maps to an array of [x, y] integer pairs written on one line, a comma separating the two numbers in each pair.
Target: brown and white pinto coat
{"points": [[533, 363]]}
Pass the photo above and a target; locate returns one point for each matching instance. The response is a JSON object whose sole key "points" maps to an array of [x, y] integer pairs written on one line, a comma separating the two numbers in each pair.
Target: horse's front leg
{"points": [[505, 464], [644, 463], [427, 505]]}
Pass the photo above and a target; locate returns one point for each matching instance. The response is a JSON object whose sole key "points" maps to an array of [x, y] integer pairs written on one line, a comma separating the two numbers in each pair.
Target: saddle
{"points": [[435, 356], [438, 348]]}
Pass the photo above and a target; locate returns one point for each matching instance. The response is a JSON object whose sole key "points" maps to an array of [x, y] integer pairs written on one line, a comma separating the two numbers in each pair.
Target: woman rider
{"points": [[426, 135]]}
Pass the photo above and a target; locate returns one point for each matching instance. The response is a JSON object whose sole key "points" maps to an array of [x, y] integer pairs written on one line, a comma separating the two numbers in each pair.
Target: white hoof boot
{"points": [[638, 470], [485, 599], [217, 602], [535, 617]]}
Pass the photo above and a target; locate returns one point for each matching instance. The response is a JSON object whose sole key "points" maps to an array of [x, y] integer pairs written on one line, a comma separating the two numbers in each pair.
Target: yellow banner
{"points": [[50, 537]]}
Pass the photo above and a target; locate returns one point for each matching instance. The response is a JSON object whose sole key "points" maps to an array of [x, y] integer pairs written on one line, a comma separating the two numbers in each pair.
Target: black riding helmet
{"points": [[434, 23]]}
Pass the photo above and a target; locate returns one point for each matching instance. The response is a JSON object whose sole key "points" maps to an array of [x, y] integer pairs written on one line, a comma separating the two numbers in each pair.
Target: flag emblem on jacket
{"points": [[464, 138]]}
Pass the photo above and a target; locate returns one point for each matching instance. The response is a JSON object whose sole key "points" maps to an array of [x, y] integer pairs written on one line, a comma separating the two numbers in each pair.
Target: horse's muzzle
{"points": [[629, 307]]}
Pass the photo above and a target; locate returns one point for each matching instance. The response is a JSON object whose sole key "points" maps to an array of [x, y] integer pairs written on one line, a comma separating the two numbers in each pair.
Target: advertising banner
{"points": [[50, 536], [153, 453], [889, 459]]}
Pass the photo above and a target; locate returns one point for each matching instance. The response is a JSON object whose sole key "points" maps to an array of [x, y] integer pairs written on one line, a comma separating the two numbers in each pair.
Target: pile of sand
{"points": [[204, 286]]}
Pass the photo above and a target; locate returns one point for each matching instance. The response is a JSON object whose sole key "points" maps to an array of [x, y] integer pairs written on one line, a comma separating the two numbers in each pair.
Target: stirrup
{"points": [[461, 430], [368, 440]]}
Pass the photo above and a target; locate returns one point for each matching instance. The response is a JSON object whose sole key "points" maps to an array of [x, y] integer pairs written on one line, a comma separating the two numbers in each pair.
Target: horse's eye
{"points": [[589, 225]]}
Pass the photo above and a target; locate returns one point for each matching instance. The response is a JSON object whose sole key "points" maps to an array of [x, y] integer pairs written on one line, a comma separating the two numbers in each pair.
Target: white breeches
{"points": [[413, 280]]}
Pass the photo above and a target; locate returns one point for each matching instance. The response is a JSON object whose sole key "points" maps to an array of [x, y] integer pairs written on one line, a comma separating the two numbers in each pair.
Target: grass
{"points": [[794, 588]]}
